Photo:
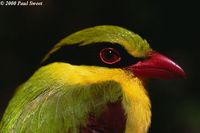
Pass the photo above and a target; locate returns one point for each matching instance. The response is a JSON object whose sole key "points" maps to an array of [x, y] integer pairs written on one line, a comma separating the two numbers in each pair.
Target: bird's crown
{"points": [[129, 40]]}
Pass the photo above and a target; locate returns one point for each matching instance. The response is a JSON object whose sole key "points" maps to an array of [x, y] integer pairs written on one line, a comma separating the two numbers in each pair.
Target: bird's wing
{"points": [[46, 105]]}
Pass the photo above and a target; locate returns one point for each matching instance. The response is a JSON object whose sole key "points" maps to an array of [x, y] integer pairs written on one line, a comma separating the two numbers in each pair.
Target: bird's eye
{"points": [[109, 55]]}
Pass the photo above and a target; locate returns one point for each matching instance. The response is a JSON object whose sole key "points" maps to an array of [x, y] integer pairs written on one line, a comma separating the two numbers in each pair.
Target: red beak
{"points": [[157, 66]]}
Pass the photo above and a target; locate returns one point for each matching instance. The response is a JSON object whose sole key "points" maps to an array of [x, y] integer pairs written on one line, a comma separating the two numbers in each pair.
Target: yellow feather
{"points": [[135, 99]]}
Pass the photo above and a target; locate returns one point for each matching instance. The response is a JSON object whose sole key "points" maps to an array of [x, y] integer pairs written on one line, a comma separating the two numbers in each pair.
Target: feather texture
{"points": [[132, 42], [59, 98]]}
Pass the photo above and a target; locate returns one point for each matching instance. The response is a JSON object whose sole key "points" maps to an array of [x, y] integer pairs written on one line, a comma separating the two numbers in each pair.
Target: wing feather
{"points": [[46, 105]]}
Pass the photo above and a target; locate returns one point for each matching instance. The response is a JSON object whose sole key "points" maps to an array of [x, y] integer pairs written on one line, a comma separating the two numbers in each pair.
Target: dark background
{"points": [[171, 27]]}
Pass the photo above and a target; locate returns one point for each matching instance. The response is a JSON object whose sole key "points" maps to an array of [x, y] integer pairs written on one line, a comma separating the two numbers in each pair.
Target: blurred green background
{"points": [[171, 27]]}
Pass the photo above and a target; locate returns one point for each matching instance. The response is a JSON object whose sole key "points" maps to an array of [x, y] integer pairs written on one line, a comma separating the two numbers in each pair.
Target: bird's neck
{"points": [[129, 90], [67, 95]]}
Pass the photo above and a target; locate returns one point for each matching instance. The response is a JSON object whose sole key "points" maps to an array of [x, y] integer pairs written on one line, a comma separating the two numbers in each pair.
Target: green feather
{"points": [[46, 105], [106, 33]]}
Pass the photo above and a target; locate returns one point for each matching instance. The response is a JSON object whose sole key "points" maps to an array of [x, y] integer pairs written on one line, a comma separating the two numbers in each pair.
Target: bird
{"points": [[92, 81]]}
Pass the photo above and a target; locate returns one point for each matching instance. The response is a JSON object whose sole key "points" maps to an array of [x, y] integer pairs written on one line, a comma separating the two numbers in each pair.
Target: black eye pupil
{"points": [[109, 56]]}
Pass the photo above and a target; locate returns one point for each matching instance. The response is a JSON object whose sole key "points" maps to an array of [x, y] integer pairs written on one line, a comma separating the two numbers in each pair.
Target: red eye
{"points": [[109, 55]]}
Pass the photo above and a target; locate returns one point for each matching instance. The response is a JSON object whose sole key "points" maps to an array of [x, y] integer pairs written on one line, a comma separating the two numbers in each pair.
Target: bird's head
{"points": [[114, 47]]}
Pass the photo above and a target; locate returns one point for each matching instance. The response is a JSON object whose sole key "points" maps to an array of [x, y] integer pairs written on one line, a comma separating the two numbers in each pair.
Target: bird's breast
{"points": [[111, 120]]}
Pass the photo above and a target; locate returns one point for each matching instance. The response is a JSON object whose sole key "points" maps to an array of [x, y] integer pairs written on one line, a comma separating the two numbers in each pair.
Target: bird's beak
{"points": [[157, 66]]}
